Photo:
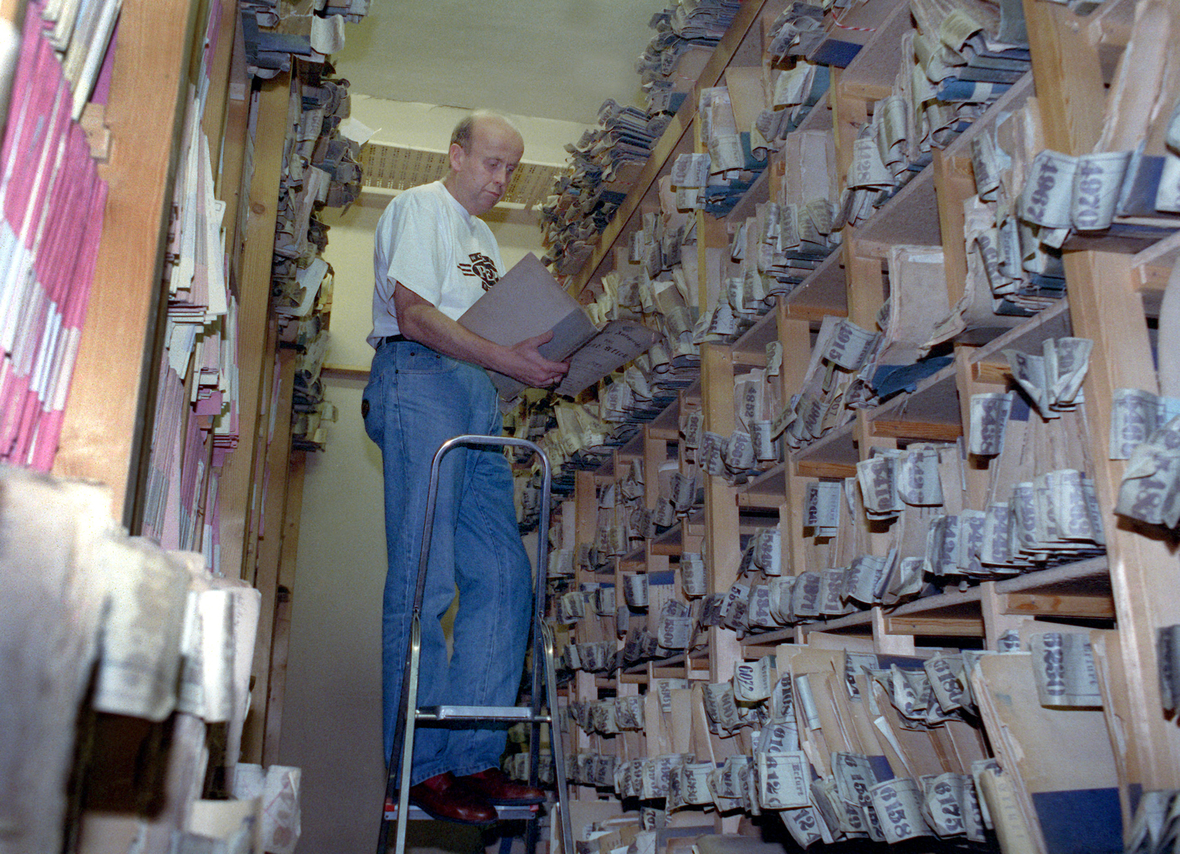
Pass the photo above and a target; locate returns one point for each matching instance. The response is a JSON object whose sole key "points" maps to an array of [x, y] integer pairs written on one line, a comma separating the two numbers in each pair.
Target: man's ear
{"points": [[455, 156]]}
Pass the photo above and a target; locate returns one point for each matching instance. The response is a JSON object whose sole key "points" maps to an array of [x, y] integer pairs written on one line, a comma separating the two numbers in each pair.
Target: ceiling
{"points": [[553, 59]]}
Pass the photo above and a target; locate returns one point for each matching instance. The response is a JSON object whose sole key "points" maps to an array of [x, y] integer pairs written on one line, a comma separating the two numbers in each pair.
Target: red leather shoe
{"points": [[498, 788], [444, 797]]}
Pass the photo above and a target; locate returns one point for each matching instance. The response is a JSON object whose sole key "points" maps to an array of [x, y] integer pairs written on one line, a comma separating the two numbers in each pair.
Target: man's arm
{"points": [[419, 320]]}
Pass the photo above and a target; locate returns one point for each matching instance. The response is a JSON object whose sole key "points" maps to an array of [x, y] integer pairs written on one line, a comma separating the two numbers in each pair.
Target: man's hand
{"points": [[420, 321], [533, 368]]}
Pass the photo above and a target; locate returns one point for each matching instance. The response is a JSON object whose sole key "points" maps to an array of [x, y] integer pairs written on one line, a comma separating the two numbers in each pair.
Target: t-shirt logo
{"points": [[483, 267]]}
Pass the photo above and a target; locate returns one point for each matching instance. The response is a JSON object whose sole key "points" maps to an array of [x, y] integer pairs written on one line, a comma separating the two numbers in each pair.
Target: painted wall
{"points": [[332, 711], [428, 126]]}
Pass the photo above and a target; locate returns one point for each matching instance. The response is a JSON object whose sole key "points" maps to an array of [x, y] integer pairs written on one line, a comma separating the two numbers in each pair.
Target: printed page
{"points": [[619, 342]]}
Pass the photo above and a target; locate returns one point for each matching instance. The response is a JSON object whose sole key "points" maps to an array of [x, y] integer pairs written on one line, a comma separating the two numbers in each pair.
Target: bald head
{"points": [[485, 150], [465, 128]]}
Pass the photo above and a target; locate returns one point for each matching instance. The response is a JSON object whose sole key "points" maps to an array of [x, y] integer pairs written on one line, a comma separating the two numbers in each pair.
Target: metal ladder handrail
{"points": [[543, 656]]}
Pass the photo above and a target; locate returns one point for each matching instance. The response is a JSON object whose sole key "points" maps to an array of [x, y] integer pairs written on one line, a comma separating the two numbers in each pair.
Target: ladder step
{"points": [[503, 813], [479, 713]]}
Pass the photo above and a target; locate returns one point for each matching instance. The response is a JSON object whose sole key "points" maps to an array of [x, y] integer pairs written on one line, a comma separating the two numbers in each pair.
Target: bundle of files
{"points": [[607, 159], [604, 164], [846, 745], [580, 442], [795, 93], [81, 34], [961, 58], [1011, 274], [751, 446], [310, 411], [970, 52], [194, 422], [53, 203], [735, 155], [320, 169], [172, 667], [843, 744], [793, 733], [1155, 826], [1036, 515], [835, 381], [909, 322], [329, 138], [1128, 183], [779, 247], [649, 285], [317, 153], [196, 413], [685, 36], [796, 32], [1061, 774], [1144, 430], [276, 35], [624, 519]]}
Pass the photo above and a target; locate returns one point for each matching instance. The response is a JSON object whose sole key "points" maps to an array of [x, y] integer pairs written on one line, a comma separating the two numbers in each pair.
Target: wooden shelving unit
{"points": [[1113, 286], [160, 58]]}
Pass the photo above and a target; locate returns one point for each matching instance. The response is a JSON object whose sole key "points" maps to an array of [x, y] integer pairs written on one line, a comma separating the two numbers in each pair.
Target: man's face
{"points": [[481, 172]]}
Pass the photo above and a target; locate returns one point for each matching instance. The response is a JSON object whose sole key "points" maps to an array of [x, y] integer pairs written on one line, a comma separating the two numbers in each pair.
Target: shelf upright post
{"points": [[1106, 308]]}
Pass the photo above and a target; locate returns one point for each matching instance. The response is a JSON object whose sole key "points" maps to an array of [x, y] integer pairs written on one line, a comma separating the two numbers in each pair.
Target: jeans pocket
{"points": [[371, 408], [419, 359]]}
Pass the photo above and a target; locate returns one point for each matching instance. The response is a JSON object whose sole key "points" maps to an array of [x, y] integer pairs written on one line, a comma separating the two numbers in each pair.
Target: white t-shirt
{"points": [[428, 242]]}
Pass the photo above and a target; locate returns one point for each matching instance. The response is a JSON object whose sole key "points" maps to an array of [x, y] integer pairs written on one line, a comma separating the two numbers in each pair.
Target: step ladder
{"points": [[398, 783]]}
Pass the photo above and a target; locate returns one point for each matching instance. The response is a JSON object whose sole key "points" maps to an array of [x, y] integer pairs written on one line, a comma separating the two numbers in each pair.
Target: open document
{"points": [[528, 301]]}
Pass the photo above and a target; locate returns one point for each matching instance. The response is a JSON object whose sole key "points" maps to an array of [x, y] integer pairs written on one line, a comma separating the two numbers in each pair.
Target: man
{"points": [[433, 258]]}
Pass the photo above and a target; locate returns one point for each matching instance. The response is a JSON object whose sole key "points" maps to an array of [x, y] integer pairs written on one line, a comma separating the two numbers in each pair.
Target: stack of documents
{"points": [[81, 34], [970, 51], [785, 241], [110, 628], [912, 315], [275, 32], [604, 164], [196, 388], [1011, 272], [1133, 171], [961, 58], [320, 169], [51, 218], [686, 34]]}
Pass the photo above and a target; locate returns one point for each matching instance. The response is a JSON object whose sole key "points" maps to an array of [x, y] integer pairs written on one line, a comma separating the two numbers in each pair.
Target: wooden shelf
{"points": [[765, 491], [674, 136], [1115, 284], [822, 293], [1079, 590], [832, 455], [930, 413], [910, 217]]}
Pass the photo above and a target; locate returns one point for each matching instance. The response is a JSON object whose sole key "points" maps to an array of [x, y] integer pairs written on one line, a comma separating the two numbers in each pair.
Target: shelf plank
{"points": [[968, 627], [253, 310], [910, 217], [1080, 589], [1044, 605], [672, 138], [109, 414], [822, 293]]}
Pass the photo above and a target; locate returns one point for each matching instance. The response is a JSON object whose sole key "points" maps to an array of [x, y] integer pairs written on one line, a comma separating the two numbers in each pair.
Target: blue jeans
{"points": [[415, 400]]}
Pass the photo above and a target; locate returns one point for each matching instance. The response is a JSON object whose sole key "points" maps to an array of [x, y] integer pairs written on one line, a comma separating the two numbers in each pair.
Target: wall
{"points": [[428, 126], [332, 712]]}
